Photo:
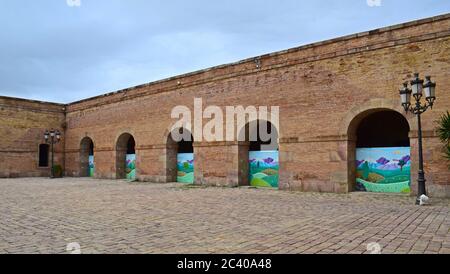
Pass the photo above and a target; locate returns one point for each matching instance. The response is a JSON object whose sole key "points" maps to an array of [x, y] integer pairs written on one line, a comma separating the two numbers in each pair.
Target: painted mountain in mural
{"points": [[392, 166], [383, 170], [264, 169]]}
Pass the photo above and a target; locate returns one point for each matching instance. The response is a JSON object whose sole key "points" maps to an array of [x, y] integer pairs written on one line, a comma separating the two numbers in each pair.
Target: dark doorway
{"points": [[131, 146], [126, 147], [86, 150], [259, 144], [91, 149], [186, 146], [180, 159], [43, 155], [383, 129]]}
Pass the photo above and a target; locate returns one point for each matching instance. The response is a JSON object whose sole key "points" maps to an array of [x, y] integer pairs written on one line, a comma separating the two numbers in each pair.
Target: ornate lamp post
{"points": [[417, 89], [52, 137]]}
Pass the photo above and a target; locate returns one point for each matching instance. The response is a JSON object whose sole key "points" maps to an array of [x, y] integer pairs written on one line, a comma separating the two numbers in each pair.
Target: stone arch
{"points": [[125, 144], [243, 132], [173, 148], [352, 121], [248, 145], [358, 113], [87, 148], [168, 132]]}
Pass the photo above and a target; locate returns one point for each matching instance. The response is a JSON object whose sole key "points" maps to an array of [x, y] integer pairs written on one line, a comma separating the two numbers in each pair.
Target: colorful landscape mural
{"points": [[185, 166], [264, 168], [130, 168], [91, 166], [385, 170]]}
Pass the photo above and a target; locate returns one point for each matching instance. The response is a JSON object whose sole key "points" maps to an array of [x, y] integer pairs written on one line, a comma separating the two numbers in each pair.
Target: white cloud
{"points": [[73, 3], [374, 3]]}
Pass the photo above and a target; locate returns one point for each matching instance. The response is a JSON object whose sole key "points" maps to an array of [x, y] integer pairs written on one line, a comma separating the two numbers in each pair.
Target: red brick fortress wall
{"points": [[22, 127], [323, 90]]}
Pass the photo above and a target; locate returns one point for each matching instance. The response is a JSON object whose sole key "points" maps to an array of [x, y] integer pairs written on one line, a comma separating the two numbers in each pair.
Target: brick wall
{"points": [[22, 127], [322, 89]]}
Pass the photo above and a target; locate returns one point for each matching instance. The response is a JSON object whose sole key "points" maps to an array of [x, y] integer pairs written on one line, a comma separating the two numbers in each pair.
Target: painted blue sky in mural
{"points": [[384, 158], [55, 52], [186, 157], [268, 158]]}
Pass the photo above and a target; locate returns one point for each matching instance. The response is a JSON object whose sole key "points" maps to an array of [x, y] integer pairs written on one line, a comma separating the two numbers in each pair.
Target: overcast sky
{"points": [[53, 51]]}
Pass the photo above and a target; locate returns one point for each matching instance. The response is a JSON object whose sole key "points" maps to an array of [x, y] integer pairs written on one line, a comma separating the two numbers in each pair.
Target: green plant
{"points": [[444, 133], [57, 171]]}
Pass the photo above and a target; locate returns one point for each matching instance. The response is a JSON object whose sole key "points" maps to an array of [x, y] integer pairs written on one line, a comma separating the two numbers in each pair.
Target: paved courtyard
{"points": [[43, 216]]}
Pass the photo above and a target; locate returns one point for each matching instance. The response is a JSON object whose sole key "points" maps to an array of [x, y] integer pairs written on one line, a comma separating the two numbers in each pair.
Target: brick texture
{"points": [[43, 216], [322, 89], [22, 127]]}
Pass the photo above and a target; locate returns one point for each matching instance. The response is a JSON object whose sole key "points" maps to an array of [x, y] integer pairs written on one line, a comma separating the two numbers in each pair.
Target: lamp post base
{"points": [[422, 189]]}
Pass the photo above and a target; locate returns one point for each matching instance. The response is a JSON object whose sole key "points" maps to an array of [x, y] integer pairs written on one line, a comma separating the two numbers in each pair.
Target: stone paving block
{"points": [[39, 215]]}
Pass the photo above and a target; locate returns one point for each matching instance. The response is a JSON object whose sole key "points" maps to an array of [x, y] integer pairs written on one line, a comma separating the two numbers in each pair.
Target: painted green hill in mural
{"points": [[131, 175], [186, 178], [257, 182], [402, 187], [264, 177]]}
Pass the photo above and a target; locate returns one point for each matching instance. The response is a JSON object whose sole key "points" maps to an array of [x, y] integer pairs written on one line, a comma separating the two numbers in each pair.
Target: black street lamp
{"points": [[417, 89], [52, 137]]}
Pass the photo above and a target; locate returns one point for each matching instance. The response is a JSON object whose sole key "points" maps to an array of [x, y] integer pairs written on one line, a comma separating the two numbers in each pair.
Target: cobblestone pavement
{"points": [[43, 216]]}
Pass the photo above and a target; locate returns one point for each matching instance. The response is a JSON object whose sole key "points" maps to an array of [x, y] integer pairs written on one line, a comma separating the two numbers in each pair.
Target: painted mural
{"points": [[264, 168], [185, 166], [91, 166], [386, 170], [130, 168]]}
